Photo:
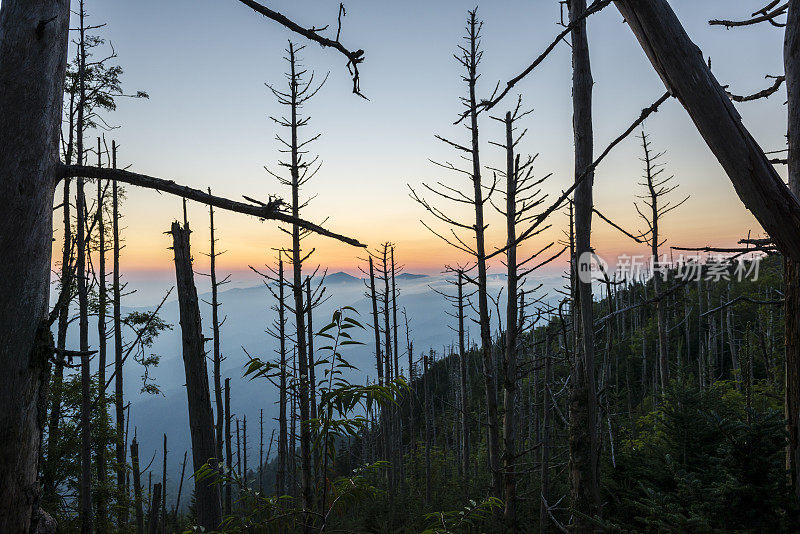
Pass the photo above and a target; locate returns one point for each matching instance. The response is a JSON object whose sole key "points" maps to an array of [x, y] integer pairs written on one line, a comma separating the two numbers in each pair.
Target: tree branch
{"points": [[312, 34], [270, 210]]}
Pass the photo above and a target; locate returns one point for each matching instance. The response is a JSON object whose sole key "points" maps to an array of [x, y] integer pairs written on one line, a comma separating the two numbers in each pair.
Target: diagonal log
{"points": [[683, 70], [270, 210]]}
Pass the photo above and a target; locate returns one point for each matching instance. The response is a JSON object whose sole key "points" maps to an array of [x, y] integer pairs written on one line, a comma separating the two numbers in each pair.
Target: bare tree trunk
{"points": [[100, 446], [260, 450], [583, 440], [164, 486], [85, 492], [397, 413], [180, 487], [510, 360], [228, 447], [238, 451], [390, 373], [311, 366], [283, 441], [654, 194], [215, 329], [490, 379], [427, 407], [119, 403], [244, 450], [378, 357], [299, 314], [137, 486], [201, 419], [544, 515], [155, 510], [312, 382], [791, 52], [462, 364]]}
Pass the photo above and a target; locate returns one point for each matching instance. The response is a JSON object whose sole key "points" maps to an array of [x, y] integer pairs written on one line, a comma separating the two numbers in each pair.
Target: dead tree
{"points": [[379, 361], [283, 436], [85, 492], [469, 57], [137, 486], [238, 451], [427, 408], [228, 447], [791, 54], [100, 446], [164, 485], [657, 188], [410, 354], [583, 440], [260, 450], [215, 325], [301, 170], [155, 510], [544, 514], [119, 402], [522, 197], [180, 487], [32, 71], [201, 421]]}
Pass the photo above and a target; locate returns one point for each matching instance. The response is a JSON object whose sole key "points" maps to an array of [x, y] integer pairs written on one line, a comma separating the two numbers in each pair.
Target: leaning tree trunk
{"points": [[583, 439], [688, 77], [201, 420], [33, 58]]}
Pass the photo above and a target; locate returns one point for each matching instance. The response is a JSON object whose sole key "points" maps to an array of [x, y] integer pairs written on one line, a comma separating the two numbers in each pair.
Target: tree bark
{"points": [[201, 421]]}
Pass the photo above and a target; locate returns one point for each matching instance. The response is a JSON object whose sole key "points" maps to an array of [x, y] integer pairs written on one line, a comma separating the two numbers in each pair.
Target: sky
{"points": [[204, 64]]}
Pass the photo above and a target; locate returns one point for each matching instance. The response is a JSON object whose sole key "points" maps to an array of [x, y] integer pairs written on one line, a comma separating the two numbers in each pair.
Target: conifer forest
{"points": [[415, 267]]}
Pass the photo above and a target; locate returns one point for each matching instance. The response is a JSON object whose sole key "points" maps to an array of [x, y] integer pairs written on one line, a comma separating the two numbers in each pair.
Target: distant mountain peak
{"points": [[340, 278]]}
